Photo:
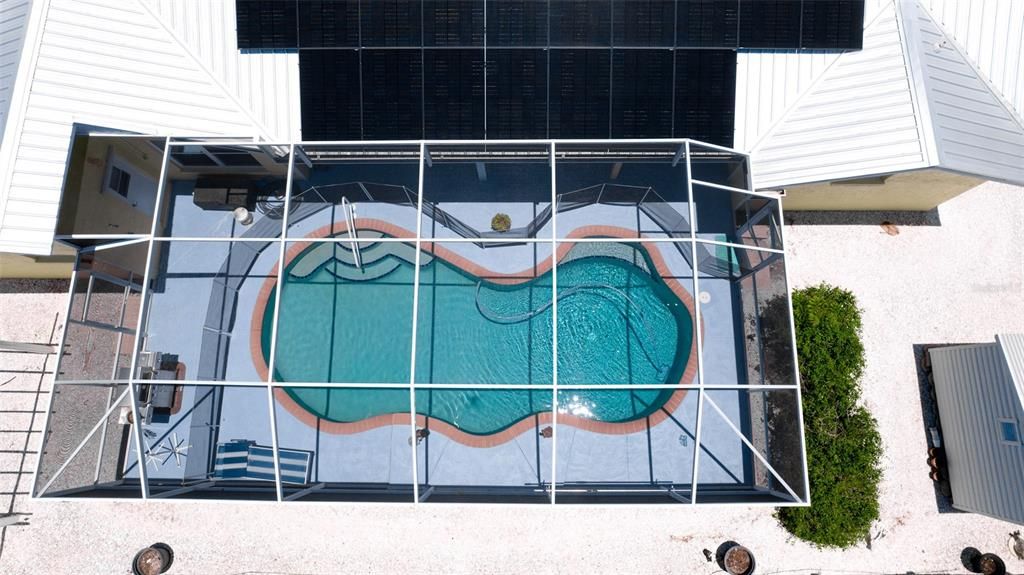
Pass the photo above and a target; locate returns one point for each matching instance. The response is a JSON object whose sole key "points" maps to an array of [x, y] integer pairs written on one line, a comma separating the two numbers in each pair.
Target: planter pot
{"points": [[739, 560], [153, 560], [991, 564]]}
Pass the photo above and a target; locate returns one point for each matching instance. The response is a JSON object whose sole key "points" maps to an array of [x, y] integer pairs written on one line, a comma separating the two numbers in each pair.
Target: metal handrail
{"points": [[350, 221]]}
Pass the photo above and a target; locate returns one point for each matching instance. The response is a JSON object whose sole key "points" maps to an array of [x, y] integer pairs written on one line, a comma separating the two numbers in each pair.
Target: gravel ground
{"points": [[960, 281]]}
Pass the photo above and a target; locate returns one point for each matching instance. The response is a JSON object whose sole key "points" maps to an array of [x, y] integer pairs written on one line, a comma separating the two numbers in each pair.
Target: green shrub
{"points": [[843, 444]]}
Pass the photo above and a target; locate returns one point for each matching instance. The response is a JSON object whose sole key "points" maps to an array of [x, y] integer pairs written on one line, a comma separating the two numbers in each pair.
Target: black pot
{"points": [[994, 560], [165, 553], [739, 549]]}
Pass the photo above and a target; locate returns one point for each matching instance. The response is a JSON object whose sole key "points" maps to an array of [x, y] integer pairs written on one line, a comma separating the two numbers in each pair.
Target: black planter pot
{"points": [[991, 564], [726, 554], [159, 553]]}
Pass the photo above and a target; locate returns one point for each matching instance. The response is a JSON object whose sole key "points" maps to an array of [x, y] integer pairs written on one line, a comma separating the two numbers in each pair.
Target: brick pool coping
{"points": [[434, 424]]}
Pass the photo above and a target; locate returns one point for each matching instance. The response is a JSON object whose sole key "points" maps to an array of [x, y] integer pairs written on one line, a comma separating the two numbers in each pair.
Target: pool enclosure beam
{"points": [[271, 363], [424, 153], [554, 329], [695, 268], [682, 153], [140, 341]]}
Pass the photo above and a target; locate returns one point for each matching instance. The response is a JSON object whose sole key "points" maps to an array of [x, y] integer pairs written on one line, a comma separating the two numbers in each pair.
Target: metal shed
{"points": [[980, 394]]}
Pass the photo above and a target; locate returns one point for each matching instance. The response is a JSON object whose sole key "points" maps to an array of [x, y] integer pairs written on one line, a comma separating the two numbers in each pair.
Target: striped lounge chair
{"points": [[240, 459]]}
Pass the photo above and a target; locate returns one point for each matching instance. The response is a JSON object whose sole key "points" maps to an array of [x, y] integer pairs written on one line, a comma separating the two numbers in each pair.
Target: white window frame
{"points": [[111, 166], [114, 160], [1016, 426]]}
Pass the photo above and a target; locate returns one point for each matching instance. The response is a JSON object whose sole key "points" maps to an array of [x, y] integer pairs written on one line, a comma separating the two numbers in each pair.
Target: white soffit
{"points": [[118, 64]]}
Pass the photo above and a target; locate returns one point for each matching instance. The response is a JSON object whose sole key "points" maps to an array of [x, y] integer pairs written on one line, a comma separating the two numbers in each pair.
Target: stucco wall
{"points": [[912, 191]]}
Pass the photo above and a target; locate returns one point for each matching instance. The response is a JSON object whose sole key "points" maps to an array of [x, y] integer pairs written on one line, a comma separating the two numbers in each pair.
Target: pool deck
{"points": [[658, 448]]}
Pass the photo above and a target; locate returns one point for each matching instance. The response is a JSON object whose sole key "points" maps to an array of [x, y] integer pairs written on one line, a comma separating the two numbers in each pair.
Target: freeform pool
{"points": [[618, 322]]}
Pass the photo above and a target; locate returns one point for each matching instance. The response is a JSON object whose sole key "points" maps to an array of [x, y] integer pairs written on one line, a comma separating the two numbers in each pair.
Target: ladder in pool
{"points": [[350, 222]]}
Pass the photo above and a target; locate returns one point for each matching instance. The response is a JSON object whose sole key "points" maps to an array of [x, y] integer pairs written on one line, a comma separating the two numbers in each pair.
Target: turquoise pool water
{"points": [[618, 324]]}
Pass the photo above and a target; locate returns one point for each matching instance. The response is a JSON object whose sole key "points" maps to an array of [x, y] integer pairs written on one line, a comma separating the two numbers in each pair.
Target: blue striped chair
{"points": [[241, 459]]}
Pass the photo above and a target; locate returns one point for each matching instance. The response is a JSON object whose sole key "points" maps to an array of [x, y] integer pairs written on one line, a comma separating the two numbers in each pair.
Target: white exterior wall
{"points": [[974, 388]]}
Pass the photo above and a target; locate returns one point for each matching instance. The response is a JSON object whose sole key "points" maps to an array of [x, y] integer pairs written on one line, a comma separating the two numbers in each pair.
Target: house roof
{"points": [[13, 20], [938, 84], [141, 66]]}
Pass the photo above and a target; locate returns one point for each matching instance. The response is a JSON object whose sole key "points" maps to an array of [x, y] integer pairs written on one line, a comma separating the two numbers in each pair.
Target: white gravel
{"points": [[961, 281]]}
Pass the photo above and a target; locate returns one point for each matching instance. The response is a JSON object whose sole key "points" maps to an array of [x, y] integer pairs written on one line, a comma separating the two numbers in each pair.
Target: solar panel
{"points": [[579, 94], [581, 23], [644, 22], [266, 24], [832, 24], [330, 94], [781, 24], [517, 93], [391, 23], [392, 94], [707, 23], [705, 95], [453, 95], [453, 23], [328, 23], [473, 69], [769, 23], [518, 23], [642, 87]]}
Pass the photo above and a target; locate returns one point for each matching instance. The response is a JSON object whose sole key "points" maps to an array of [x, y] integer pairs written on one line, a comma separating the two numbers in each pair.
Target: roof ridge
{"points": [[962, 52], [245, 110]]}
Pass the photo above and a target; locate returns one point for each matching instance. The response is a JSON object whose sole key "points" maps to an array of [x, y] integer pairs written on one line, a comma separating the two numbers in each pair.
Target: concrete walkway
{"points": [[961, 281]]}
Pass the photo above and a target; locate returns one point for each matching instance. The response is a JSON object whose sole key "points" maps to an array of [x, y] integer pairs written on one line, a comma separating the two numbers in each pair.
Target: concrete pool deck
{"points": [[958, 282]]}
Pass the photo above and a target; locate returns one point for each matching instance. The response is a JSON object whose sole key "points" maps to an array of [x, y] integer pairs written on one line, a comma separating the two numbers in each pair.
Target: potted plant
{"points": [[991, 564], [739, 560], [153, 560], [501, 222]]}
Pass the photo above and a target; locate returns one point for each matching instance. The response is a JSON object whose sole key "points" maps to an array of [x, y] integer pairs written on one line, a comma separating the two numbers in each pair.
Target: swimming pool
{"points": [[618, 323]]}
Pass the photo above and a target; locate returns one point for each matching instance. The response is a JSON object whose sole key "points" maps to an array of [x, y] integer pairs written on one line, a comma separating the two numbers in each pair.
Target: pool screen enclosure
{"points": [[532, 321]]}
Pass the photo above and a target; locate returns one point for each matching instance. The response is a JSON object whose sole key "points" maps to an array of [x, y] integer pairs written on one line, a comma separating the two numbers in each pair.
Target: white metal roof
{"points": [[939, 83], [147, 66], [906, 101], [974, 392], [13, 19]]}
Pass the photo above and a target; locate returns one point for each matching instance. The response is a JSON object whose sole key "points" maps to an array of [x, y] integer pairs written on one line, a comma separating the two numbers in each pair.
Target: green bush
{"points": [[843, 444]]}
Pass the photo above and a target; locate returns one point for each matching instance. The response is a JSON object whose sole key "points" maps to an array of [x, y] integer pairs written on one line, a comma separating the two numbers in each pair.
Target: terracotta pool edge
{"points": [[434, 424]]}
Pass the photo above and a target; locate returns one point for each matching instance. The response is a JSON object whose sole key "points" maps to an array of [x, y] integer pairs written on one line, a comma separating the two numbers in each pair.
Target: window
{"points": [[1009, 432], [119, 181]]}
